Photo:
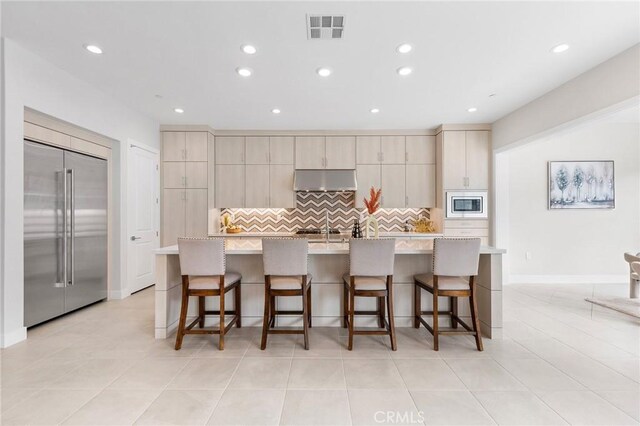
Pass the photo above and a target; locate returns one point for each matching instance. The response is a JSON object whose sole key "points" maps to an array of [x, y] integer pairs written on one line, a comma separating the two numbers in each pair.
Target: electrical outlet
{"points": [[527, 255]]}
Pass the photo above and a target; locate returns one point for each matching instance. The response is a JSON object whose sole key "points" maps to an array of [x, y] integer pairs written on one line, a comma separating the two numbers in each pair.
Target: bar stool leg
{"points": [[221, 341], [453, 304], [392, 326], [238, 302], [266, 319], [201, 311], [305, 312], [272, 320], [183, 312], [345, 305], [435, 320], [381, 309], [417, 305], [474, 315], [352, 308], [309, 304]]}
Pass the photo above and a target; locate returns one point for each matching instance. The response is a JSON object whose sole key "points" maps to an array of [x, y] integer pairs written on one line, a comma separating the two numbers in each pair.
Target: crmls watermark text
{"points": [[399, 417]]}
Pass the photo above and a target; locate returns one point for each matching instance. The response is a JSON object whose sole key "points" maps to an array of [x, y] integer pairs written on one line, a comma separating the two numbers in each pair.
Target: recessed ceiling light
{"points": [[472, 109], [244, 72], [249, 49], [374, 110], [93, 49], [560, 48], [404, 48], [404, 71], [324, 72], [178, 110], [275, 111]]}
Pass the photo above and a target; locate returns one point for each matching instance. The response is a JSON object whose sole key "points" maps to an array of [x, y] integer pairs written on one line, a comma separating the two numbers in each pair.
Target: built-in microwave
{"points": [[467, 204]]}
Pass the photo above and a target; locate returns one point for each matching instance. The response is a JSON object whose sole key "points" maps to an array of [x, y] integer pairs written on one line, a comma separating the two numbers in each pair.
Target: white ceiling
{"points": [[188, 53]]}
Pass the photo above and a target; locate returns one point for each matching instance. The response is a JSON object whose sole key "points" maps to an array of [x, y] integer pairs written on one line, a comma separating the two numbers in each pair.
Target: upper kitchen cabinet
{"points": [[256, 186], [420, 185], [281, 150], [368, 175], [310, 152], [196, 146], [465, 159], [393, 186], [257, 149], [392, 150], [368, 149], [230, 186], [173, 146], [230, 149], [281, 194], [420, 149], [319, 152]]}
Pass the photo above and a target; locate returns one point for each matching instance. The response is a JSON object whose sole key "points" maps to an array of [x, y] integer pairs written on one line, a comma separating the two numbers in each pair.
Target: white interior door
{"points": [[143, 183]]}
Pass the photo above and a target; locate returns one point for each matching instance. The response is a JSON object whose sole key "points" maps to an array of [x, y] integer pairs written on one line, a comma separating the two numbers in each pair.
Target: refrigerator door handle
{"points": [[65, 219], [72, 227]]}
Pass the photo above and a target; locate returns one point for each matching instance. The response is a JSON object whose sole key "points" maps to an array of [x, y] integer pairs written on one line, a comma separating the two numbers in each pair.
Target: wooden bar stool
{"points": [[285, 274], [370, 275], [203, 269], [453, 260]]}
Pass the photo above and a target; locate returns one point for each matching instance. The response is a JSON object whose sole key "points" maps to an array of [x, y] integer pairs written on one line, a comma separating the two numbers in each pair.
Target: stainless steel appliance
{"points": [[467, 204], [325, 180], [65, 231]]}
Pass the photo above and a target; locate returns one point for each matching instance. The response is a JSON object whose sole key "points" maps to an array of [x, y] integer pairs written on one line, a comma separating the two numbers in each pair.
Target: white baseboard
{"points": [[118, 294], [14, 337], [567, 279]]}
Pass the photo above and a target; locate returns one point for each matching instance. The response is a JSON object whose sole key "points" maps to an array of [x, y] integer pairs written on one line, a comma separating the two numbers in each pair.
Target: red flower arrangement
{"points": [[373, 204]]}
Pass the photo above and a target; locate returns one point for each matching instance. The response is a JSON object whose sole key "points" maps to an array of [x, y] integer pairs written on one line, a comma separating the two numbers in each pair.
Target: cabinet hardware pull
{"points": [[184, 154], [184, 181], [406, 201], [406, 157]]}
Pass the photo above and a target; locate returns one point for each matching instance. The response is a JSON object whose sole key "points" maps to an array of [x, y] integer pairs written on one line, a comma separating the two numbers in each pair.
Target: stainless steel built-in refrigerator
{"points": [[65, 231]]}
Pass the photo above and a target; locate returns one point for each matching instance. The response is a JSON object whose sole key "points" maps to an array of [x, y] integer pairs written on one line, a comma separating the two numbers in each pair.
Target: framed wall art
{"points": [[581, 185]]}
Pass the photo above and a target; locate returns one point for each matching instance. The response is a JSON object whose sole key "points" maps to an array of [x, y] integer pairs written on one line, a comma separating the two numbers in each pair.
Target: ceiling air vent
{"points": [[325, 27]]}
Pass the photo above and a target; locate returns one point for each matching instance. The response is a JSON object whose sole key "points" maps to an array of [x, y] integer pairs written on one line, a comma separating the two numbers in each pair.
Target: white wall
{"points": [[573, 245], [33, 82], [612, 84]]}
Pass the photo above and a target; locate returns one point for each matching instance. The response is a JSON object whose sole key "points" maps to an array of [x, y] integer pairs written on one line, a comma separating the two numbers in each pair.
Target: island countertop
{"points": [[252, 246]]}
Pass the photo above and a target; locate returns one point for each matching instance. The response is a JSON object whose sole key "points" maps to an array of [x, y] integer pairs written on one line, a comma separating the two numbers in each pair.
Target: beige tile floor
{"points": [[562, 361]]}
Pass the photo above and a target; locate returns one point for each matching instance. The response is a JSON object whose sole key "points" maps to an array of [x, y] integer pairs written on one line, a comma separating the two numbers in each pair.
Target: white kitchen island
{"points": [[327, 263]]}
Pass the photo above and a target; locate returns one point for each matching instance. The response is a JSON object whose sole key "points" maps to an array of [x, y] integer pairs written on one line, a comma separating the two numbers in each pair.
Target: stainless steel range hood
{"points": [[325, 181]]}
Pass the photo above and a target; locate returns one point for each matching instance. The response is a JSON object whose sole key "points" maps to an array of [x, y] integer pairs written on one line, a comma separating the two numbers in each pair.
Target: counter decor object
{"points": [[227, 225], [372, 204], [424, 226], [356, 232]]}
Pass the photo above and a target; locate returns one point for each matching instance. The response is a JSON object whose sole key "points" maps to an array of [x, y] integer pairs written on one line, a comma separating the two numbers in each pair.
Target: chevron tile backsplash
{"points": [[310, 212]]}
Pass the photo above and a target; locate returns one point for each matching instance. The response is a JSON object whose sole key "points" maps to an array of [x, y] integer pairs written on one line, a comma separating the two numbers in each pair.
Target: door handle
{"points": [[65, 225], [72, 214], [133, 238]]}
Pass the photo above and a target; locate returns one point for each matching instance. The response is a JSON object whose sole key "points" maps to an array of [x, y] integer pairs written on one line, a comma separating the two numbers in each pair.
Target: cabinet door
{"points": [[173, 216], [256, 186], [421, 149], [421, 185], [229, 149], [173, 146], [310, 152], [281, 192], [454, 159], [478, 159], [368, 149], [393, 186], [257, 149], [368, 175], [393, 149], [229, 186], [196, 146], [340, 152], [196, 213], [173, 174], [281, 150], [197, 174]]}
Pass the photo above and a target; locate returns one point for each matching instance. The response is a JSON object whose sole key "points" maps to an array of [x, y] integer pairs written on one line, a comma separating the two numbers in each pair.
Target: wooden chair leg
{"points": [[345, 305], [392, 326], [305, 315], [238, 304], [474, 317], [309, 305], [183, 313], [272, 320], [381, 308], [352, 308], [221, 341], [453, 304], [266, 320], [201, 311], [435, 320], [417, 305]]}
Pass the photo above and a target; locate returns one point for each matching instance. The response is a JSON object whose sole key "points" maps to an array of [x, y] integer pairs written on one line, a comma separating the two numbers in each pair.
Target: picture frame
{"points": [[583, 184]]}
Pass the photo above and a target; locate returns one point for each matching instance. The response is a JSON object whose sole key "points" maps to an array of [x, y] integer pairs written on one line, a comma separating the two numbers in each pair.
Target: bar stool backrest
{"points": [[202, 256], [456, 257], [285, 256], [630, 257], [371, 257]]}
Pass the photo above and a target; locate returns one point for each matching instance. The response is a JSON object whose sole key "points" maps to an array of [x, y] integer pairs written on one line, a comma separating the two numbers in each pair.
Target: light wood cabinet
{"points": [[256, 186], [466, 160], [257, 149], [229, 149], [173, 174], [393, 184], [180, 174], [392, 150], [281, 150], [195, 146], [420, 149], [196, 212], [173, 146], [340, 152], [281, 194], [173, 215], [420, 185], [230, 186], [310, 152], [368, 149], [196, 174], [368, 175]]}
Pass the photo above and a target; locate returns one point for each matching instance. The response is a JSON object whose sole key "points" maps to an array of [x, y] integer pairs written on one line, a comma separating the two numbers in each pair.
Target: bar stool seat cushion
{"points": [[212, 282], [288, 282], [367, 283], [444, 283]]}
